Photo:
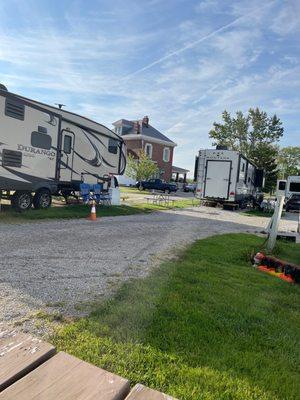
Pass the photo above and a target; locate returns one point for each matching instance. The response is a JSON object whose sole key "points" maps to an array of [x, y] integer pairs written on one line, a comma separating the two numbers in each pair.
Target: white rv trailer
{"points": [[45, 150], [225, 176], [290, 186]]}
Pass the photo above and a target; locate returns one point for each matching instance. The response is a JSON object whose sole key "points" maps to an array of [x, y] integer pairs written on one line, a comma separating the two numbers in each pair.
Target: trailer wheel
{"points": [[21, 201], [42, 199]]}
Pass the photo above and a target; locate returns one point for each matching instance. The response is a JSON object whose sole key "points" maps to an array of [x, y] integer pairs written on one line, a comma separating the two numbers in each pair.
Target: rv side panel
{"points": [[88, 155], [28, 146]]}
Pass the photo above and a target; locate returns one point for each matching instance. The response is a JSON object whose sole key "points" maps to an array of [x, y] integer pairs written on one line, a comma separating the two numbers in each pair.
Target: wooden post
{"points": [[275, 223]]}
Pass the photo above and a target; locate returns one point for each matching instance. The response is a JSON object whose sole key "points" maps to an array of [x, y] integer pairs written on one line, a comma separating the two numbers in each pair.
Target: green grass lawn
{"points": [[74, 211], [82, 211], [131, 190], [259, 213], [207, 326]]}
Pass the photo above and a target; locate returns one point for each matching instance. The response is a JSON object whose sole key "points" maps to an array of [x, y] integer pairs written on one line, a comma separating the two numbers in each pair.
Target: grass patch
{"points": [[205, 327], [259, 213], [131, 190], [72, 211], [82, 211]]}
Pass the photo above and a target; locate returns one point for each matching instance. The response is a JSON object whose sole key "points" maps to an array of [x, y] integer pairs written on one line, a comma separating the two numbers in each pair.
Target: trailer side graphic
{"points": [[44, 148]]}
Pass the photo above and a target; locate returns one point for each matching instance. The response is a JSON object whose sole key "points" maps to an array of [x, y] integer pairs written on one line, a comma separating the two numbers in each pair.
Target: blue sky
{"points": [[182, 62]]}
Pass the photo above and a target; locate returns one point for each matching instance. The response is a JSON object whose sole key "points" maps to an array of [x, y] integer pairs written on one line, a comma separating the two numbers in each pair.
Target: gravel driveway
{"points": [[66, 265]]}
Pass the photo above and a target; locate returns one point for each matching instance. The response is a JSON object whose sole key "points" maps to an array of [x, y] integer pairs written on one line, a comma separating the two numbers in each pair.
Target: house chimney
{"points": [[146, 121], [136, 127]]}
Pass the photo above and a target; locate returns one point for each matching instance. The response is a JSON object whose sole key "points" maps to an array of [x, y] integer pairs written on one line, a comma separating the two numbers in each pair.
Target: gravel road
{"points": [[66, 265]]}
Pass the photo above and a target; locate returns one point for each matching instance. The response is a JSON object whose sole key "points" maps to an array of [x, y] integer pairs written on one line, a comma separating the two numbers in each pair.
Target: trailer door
{"points": [[67, 155], [217, 179]]}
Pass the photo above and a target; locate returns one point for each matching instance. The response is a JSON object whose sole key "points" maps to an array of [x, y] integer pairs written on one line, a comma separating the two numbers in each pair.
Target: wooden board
{"points": [[20, 354], [140, 392], [64, 377]]}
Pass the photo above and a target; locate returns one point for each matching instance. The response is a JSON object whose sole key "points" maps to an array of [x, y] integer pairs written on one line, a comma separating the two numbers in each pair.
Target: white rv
{"points": [[225, 176], [45, 150], [290, 186]]}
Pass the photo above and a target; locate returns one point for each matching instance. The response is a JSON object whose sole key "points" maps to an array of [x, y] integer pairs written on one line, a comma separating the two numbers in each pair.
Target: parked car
{"points": [[189, 187], [157, 184], [293, 203], [124, 180]]}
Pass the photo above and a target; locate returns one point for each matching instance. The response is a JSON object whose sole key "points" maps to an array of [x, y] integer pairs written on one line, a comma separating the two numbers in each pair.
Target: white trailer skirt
{"points": [[217, 179]]}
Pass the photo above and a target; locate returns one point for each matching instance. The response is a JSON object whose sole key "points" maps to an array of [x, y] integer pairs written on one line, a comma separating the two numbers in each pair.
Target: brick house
{"points": [[140, 135]]}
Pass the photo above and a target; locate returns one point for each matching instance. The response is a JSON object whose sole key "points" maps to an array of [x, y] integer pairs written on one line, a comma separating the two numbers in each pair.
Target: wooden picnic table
{"points": [[30, 370], [20, 354], [141, 392]]}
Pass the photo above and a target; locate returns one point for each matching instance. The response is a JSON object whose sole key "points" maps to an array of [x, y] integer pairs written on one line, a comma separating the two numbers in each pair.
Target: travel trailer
{"points": [[290, 186], [45, 150], [227, 177]]}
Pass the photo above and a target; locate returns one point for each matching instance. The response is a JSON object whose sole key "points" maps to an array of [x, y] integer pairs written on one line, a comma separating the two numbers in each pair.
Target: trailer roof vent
{"points": [[221, 147], [14, 109], [11, 158]]}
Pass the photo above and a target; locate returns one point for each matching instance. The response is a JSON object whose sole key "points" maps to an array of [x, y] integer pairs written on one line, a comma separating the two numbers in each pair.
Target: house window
{"points": [[118, 130], [166, 154], [148, 150]]}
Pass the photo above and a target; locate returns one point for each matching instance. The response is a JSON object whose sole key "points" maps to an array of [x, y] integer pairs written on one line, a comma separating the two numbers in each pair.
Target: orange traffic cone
{"points": [[93, 216]]}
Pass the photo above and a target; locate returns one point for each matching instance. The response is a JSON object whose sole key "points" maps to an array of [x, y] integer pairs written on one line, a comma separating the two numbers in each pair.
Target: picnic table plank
{"points": [[141, 392], [64, 377], [20, 354]]}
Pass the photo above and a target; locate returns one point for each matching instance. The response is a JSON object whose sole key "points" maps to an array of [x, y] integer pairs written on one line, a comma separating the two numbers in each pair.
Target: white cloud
{"points": [[206, 70], [207, 5], [287, 21]]}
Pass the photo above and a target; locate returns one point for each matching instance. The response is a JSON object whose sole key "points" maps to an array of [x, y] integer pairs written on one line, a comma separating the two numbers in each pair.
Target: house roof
{"points": [[179, 170], [146, 130], [154, 133]]}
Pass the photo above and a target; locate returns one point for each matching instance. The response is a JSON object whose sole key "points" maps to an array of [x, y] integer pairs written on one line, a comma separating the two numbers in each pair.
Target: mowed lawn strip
{"points": [[82, 211], [206, 326]]}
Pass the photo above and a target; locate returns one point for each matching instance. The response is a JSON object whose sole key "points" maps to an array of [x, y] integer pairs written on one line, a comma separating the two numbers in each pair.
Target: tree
{"points": [[255, 135], [289, 161], [142, 168]]}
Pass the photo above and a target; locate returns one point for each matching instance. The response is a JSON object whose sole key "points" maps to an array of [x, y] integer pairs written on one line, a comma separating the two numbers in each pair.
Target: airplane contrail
{"points": [[192, 44]]}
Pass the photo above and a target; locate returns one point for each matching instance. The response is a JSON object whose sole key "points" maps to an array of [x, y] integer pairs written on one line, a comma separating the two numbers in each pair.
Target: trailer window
{"points": [[41, 140], [67, 144], [281, 185], [14, 109], [113, 146], [295, 187]]}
